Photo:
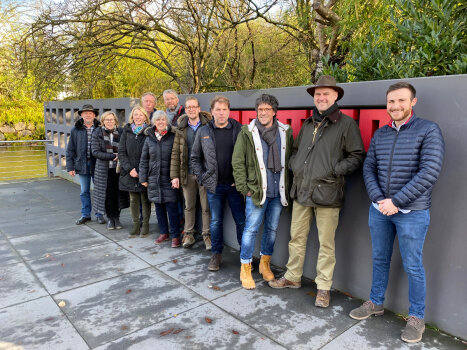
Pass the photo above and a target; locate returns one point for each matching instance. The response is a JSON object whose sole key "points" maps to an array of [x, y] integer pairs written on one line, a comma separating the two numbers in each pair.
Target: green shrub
{"points": [[27, 111]]}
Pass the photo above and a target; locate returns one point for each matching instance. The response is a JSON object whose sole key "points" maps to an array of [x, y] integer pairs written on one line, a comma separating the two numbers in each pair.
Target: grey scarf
{"points": [[269, 135]]}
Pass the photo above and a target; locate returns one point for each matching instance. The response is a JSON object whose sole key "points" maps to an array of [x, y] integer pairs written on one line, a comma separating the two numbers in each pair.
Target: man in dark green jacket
{"points": [[260, 163], [328, 148]]}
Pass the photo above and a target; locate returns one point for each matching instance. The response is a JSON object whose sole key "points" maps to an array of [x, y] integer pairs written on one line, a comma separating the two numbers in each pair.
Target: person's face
{"points": [[161, 124], [109, 122], [221, 112], [138, 117], [192, 109], [324, 98], [149, 103], [88, 117], [399, 105], [171, 101], [265, 114]]}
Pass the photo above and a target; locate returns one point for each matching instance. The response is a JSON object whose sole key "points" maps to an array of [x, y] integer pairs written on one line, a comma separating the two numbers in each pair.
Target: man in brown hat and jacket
{"points": [[328, 148]]}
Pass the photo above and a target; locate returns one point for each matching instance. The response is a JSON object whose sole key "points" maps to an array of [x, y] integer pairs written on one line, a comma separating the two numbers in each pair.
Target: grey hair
{"points": [[170, 91], [149, 94], [269, 100], [159, 115]]}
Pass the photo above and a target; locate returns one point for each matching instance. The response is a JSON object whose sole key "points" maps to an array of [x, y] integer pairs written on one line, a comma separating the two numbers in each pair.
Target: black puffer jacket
{"points": [[203, 155], [77, 148], [129, 154], [154, 166], [404, 165], [102, 170]]}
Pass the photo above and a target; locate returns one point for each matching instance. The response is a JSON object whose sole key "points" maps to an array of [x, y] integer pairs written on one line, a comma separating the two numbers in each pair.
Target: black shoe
{"points": [[117, 224], [82, 220], [111, 224], [101, 220]]}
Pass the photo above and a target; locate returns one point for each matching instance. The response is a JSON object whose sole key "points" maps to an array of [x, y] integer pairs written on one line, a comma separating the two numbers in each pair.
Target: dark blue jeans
{"points": [[171, 210], [216, 207], [411, 229]]}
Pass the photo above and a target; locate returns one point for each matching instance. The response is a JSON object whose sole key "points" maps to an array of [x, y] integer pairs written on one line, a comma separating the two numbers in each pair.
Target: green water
{"points": [[22, 162]]}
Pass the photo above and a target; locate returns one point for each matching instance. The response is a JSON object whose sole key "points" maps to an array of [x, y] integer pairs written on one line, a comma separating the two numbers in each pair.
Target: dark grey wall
{"points": [[441, 99]]}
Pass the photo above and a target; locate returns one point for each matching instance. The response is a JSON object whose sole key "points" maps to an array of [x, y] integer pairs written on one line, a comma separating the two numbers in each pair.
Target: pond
{"points": [[20, 161]]}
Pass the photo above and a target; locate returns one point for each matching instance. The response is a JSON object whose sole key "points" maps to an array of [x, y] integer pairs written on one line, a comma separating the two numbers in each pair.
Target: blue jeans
{"points": [[170, 209], [411, 229], [216, 207], [271, 212], [85, 194]]}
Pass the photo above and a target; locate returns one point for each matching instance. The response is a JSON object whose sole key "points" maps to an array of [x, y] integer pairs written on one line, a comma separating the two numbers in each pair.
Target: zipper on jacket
{"points": [[315, 131], [390, 163]]}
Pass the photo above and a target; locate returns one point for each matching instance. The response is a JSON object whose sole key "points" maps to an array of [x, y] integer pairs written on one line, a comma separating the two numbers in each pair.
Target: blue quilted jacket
{"points": [[404, 165]]}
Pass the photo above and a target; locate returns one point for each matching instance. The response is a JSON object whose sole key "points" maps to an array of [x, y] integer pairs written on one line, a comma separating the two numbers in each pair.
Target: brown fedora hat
{"points": [[328, 82], [89, 108]]}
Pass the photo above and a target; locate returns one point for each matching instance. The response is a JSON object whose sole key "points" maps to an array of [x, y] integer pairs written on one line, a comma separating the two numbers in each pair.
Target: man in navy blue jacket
{"points": [[402, 165]]}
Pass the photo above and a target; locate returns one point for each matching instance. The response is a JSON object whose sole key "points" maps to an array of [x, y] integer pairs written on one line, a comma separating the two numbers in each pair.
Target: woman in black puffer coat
{"points": [[129, 154], [104, 147], [155, 175]]}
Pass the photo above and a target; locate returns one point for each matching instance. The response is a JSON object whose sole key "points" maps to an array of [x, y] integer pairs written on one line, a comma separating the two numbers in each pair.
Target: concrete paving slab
{"points": [[192, 271], [17, 285], [33, 224], [110, 309], [7, 253], [289, 316], [152, 253], [55, 242], [38, 325], [24, 211], [190, 330], [383, 333], [79, 268]]}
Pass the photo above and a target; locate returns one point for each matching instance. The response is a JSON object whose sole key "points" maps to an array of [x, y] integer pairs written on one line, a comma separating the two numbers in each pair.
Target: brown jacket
{"points": [[320, 165], [179, 162]]}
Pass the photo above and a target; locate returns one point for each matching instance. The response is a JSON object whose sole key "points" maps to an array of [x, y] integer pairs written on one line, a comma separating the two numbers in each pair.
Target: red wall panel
{"points": [[370, 121]]}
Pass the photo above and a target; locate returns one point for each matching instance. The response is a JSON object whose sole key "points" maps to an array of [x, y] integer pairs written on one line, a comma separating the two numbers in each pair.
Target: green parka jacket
{"points": [[321, 159], [249, 170], [179, 161]]}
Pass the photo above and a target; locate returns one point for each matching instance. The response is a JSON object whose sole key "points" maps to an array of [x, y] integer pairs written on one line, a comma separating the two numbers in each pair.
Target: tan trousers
{"points": [[190, 193], [326, 221]]}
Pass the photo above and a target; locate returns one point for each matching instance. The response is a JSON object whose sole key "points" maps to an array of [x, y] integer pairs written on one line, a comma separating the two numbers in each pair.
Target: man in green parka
{"points": [[260, 165], [328, 147]]}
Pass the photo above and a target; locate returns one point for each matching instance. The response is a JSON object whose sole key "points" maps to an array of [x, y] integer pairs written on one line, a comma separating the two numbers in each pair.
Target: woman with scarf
{"points": [[129, 155], [104, 147], [155, 175]]}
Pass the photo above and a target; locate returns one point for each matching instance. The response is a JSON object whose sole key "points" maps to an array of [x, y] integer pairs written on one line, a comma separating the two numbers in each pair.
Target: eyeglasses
{"points": [[261, 110], [109, 120], [191, 107]]}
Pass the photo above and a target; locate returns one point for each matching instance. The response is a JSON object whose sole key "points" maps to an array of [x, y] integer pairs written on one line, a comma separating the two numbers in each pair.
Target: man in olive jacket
{"points": [[260, 165], [181, 170], [328, 148]]}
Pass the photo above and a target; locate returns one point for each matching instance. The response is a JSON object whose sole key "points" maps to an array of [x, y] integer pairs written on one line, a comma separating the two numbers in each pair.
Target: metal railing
{"points": [[23, 159]]}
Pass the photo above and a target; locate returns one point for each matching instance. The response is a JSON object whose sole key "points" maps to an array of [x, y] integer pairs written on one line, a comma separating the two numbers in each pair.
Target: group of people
{"points": [[259, 169]]}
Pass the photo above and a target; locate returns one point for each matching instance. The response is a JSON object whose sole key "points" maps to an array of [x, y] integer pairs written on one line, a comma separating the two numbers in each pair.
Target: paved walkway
{"points": [[64, 286]]}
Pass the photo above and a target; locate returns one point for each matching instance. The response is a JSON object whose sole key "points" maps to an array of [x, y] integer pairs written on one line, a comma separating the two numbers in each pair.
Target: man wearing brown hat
{"points": [[79, 159], [328, 148]]}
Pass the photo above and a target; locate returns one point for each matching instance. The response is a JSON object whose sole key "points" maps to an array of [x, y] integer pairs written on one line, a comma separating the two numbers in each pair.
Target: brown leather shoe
{"points": [[162, 238], [175, 242], [322, 298], [215, 262], [284, 283]]}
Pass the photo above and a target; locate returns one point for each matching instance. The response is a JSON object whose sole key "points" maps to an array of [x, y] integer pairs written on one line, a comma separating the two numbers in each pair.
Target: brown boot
{"points": [[246, 278], [322, 298], [215, 263], [265, 269]]}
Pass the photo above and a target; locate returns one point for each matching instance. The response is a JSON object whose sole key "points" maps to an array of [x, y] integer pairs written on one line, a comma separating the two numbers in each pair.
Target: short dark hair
{"points": [[269, 100], [220, 99], [192, 98], [402, 85]]}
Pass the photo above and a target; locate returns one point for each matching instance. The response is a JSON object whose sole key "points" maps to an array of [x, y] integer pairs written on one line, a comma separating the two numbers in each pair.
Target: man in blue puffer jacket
{"points": [[402, 165]]}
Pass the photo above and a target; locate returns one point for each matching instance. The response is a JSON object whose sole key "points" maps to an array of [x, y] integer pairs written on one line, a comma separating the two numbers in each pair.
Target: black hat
{"points": [[328, 82], [88, 108]]}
